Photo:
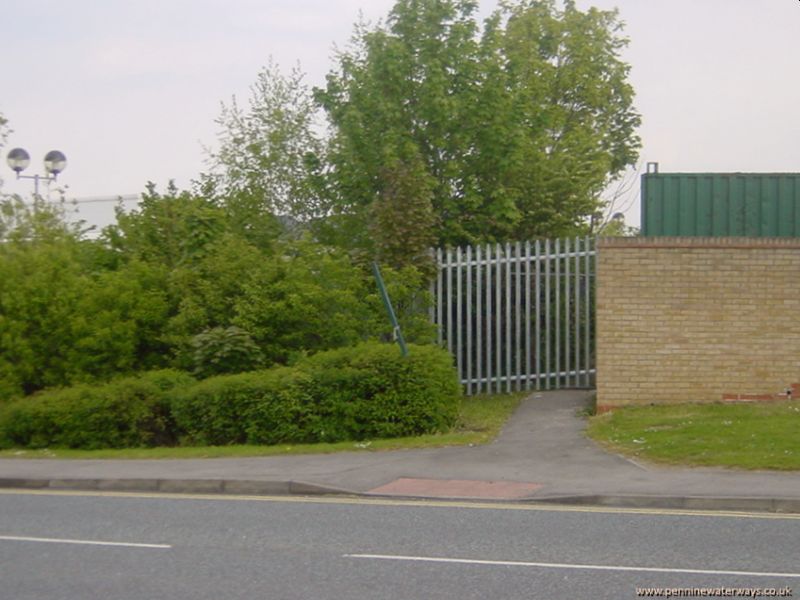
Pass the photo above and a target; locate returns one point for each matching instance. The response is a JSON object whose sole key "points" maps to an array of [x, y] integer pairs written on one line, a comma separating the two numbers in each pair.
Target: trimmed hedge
{"points": [[356, 393], [371, 391], [125, 413], [261, 407]]}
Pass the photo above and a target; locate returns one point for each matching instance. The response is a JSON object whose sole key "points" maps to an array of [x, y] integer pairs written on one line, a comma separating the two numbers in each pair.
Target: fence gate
{"points": [[518, 316]]}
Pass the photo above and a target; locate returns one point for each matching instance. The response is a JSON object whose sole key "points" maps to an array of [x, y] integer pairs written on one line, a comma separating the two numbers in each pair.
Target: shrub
{"points": [[305, 298], [128, 412], [355, 393], [224, 350], [262, 407], [63, 321], [371, 391], [366, 391]]}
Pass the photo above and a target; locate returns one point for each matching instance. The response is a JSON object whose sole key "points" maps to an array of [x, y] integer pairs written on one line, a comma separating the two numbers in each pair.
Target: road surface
{"points": [[84, 546]]}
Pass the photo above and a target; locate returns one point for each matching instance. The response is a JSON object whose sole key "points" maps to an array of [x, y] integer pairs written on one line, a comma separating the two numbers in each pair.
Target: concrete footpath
{"points": [[540, 456]]}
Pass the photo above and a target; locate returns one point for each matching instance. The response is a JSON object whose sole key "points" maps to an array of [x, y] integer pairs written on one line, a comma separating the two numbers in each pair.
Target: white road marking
{"points": [[16, 538], [515, 563]]}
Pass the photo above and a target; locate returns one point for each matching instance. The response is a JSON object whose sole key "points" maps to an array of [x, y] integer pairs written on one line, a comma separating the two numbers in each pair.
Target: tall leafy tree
{"points": [[402, 218], [575, 126], [267, 162], [514, 128], [393, 103]]}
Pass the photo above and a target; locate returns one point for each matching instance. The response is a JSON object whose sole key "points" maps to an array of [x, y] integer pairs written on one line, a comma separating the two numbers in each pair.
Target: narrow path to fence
{"points": [[518, 316]]}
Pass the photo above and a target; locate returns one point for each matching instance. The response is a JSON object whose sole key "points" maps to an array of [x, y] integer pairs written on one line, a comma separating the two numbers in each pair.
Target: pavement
{"points": [[540, 456]]}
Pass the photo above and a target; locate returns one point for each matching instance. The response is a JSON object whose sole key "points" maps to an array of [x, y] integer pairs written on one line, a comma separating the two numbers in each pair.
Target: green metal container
{"points": [[720, 204]]}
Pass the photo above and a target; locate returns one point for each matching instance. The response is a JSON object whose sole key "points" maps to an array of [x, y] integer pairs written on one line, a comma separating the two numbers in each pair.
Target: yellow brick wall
{"points": [[691, 319]]}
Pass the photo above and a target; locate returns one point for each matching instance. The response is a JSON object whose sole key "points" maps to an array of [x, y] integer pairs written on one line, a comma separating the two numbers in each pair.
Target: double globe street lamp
{"points": [[54, 163]]}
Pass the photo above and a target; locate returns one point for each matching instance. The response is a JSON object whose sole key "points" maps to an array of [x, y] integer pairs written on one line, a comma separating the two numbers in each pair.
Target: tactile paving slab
{"points": [[457, 488]]}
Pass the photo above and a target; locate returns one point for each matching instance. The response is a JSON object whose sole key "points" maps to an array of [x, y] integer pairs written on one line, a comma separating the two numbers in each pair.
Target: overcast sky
{"points": [[129, 91]]}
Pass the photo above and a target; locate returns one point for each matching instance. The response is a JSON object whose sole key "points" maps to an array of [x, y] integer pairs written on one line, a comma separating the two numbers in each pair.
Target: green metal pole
{"points": [[397, 333]]}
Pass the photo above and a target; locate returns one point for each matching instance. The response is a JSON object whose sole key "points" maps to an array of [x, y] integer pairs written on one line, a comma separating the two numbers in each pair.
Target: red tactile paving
{"points": [[457, 488]]}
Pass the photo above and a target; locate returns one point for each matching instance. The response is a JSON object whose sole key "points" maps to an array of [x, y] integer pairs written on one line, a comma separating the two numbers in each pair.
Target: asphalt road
{"points": [[81, 547]]}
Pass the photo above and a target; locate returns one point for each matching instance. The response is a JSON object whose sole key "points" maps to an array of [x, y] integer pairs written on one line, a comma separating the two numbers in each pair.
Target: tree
{"points": [[402, 218], [394, 104], [37, 220], [518, 127], [565, 70], [204, 256], [268, 160]]}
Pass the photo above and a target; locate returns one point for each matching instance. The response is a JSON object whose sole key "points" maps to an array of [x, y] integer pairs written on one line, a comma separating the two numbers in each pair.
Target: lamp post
{"points": [[54, 163]]}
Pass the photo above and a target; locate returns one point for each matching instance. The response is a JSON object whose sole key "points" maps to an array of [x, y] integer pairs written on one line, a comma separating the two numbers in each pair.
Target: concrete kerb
{"points": [[299, 488], [678, 503], [702, 503], [178, 486]]}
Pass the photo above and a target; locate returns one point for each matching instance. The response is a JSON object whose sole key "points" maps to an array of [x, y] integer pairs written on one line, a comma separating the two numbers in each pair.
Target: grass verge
{"points": [[480, 420], [744, 436]]}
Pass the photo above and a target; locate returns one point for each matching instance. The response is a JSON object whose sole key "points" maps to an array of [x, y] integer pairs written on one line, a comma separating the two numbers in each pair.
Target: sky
{"points": [[130, 91]]}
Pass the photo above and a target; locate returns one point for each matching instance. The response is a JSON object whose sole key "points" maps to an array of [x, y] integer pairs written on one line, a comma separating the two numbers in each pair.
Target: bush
{"points": [[262, 407], [361, 392], [130, 412], [366, 391], [371, 391], [224, 350], [304, 299], [63, 321]]}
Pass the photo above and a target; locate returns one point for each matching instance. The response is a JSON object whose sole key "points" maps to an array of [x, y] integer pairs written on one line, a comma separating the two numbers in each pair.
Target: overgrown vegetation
{"points": [[440, 131], [746, 436], [147, 295]]}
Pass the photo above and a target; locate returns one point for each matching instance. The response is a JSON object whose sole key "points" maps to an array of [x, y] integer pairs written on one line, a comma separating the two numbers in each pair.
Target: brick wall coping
{"points": [[700, 242]]}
